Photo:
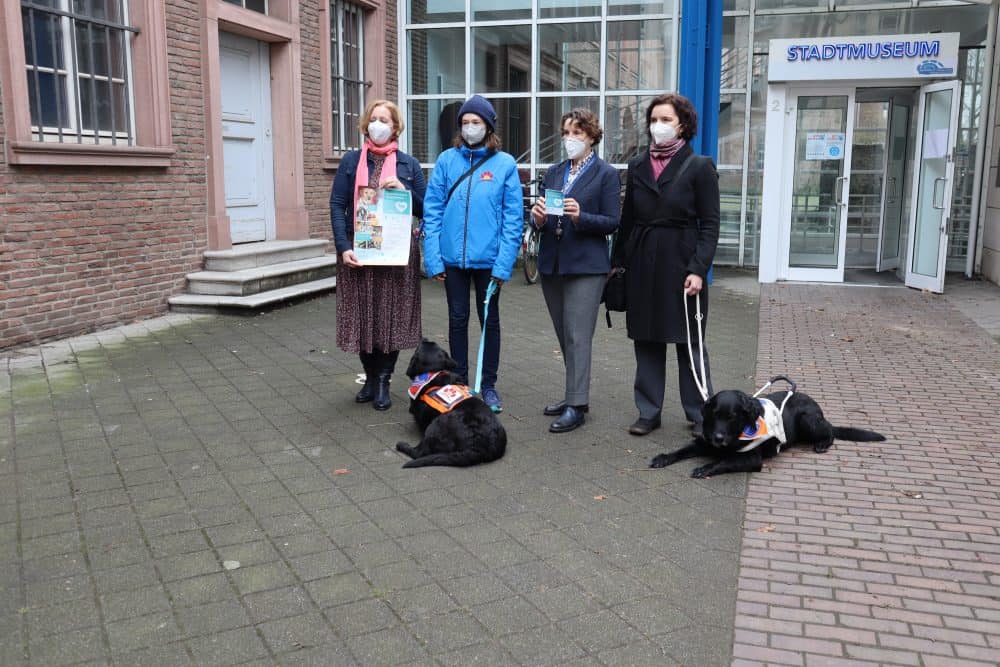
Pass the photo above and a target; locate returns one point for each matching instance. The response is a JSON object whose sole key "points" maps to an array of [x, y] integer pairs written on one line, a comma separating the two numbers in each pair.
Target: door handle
{"points": [[934, 191], [839, 194], [892, 190]]}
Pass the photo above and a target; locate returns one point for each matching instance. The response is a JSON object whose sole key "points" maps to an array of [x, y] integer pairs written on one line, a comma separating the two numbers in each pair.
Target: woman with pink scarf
{"points": [[378, 307], [666, 243]]}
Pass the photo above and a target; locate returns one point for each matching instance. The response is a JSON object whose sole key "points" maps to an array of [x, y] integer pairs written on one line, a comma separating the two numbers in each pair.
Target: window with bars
{"points": [[347, 73], [78, 65], [252, 5]]}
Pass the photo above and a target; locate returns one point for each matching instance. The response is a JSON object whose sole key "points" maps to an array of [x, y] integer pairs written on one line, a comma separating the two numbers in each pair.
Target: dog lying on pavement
{"points": [[740, 431], [458, 428]]}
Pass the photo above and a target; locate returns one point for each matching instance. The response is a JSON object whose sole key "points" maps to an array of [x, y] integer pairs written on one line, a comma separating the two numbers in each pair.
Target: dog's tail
{"points": [[457, 459], [856, 434]]}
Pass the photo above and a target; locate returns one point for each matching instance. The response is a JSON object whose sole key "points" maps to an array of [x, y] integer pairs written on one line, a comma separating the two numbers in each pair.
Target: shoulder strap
{"points": [[464, 176], [684, 165]]}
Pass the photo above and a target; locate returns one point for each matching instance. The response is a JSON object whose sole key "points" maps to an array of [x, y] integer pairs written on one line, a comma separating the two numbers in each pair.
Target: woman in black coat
{"points": [[573, 258], [669, 232]]}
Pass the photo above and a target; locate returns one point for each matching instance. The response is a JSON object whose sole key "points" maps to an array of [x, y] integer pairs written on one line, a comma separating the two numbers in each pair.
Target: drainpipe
{"points": [[980, 184]]}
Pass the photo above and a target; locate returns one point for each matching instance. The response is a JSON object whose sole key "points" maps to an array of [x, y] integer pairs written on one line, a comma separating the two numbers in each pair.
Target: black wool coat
{"points": [[669, 230]]}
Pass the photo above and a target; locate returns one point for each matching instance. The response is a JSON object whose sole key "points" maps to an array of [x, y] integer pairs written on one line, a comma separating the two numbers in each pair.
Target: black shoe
{"points": [[367, 392], [644, 426], [556, 409], [382, 399], [571, 417]]}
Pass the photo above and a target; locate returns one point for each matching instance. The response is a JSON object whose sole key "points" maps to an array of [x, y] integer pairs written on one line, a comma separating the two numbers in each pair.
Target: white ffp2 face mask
{"points": [[574, 147], [473, 134], [662, 132], [379, 132]]}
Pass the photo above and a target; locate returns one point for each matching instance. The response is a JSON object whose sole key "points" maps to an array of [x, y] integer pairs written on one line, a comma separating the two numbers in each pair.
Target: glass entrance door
{"points": [[818, 155], [933, 181], [892, 210]]}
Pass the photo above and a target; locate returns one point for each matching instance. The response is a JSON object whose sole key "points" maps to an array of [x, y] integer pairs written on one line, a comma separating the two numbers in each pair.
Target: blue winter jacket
{"points": [[480, 226]]}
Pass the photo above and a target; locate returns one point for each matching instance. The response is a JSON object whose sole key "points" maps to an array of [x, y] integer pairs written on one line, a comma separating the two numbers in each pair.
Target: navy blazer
{"points": [[408, 172], [583, 248]]}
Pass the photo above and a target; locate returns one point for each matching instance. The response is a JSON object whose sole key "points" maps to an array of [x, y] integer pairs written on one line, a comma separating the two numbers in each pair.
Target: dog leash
{"points": [[701, 381], [491, 289]]}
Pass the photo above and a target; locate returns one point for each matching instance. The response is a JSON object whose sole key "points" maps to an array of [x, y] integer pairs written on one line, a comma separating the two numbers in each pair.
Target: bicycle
{"points": [[529, 253], [530, 237]]}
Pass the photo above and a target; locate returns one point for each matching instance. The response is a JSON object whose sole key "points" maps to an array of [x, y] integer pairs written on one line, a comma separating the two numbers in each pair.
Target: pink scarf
{"points": [[660, 155], [388, 167]]}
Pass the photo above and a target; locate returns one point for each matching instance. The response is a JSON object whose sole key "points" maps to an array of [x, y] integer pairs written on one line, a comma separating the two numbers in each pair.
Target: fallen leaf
{"points": [[847, 339], [769, 528], [341, 471], [913, 494], [600, 497]]}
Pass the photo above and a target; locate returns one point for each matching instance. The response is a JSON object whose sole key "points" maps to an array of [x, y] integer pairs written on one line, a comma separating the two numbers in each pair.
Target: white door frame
{"points": [[251, 210], [779, 172], [899, 187], [933, 283]]}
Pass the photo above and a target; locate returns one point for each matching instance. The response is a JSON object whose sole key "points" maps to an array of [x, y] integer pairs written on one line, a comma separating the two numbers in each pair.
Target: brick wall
{"points": [[86, 248]]}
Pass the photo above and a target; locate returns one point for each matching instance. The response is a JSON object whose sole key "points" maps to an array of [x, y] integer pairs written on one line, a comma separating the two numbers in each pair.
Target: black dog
{"points": [[734, 432], [459, 429]]}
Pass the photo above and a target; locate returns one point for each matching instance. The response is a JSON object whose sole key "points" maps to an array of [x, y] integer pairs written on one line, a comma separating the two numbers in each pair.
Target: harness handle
{"points": [[777, 378]]}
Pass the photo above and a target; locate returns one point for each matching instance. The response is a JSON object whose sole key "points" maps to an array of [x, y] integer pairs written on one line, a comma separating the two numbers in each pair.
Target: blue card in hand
{"points": [[553, 202]]}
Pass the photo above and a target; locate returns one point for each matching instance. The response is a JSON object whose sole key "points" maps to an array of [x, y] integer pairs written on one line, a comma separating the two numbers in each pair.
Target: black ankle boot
{"points": [[382, 399], [367, 393]]}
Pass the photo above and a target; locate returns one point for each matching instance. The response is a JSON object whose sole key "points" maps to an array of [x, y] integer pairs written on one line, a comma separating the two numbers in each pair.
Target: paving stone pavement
{"points": [[879, 553], [204, 490]]}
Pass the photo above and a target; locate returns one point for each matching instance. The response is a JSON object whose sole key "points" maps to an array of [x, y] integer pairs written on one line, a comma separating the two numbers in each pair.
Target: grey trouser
{"points": [[573, 301], [650, 376]]}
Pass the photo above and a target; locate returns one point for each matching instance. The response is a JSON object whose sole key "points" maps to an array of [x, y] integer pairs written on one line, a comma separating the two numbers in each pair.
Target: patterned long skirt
{"points": [[378, 307]]}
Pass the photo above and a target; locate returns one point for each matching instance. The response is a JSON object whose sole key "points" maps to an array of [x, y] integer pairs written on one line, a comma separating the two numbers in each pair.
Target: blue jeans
{"points": [[456, 285]]}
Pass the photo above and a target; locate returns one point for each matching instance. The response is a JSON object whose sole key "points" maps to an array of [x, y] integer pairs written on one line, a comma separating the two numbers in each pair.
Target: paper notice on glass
{"points": [[825, 145], [382, 227], [554, 202], [935, 143]]}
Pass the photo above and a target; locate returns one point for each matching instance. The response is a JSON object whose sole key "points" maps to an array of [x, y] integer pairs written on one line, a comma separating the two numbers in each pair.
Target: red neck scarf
{"points": [[388, 167], [660, 154]]}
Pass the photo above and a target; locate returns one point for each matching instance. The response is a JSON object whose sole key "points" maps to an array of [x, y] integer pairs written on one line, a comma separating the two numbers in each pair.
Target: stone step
{"points": [[263, 253], [200, 303], [261, 279]]}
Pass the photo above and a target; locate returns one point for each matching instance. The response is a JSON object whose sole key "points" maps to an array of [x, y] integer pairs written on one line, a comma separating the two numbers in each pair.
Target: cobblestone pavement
{"points": [[204, 490], [879, 553]]}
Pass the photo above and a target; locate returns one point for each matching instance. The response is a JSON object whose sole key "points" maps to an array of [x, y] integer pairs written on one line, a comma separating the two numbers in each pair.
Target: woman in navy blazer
{"points": [[573, 256]]}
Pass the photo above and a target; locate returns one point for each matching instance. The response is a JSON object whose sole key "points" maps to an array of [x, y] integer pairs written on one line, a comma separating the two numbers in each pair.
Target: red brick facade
{"points": [[85, 248]]}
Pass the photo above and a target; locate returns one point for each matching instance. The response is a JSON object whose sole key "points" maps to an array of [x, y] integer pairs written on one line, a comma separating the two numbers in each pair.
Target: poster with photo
{"points": [[382, 227]]}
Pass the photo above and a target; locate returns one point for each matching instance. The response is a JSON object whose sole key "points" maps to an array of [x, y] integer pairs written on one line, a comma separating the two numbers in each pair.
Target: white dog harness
{"points": [[769, 426]]}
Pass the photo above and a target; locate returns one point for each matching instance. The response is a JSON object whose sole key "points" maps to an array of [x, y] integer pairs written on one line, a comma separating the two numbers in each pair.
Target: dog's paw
{"points": [[404, 448], [662, 461], [701, 472]]}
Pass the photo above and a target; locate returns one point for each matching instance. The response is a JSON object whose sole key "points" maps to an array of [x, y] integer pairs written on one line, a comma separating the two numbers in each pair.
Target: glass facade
{"points": [[536, 59], [749, 25]]}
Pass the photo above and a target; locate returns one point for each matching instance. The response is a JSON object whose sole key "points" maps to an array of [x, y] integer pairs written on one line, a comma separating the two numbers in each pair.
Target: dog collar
{"points": [[766, 427]]}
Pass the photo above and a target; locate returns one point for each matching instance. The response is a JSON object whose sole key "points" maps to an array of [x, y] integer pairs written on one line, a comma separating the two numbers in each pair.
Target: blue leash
{"points": [[490, 291]]}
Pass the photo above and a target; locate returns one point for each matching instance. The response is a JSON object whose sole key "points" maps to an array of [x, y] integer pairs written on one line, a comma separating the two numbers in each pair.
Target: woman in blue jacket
{"points": [[573, 258], [473, 217], [378, 307]]}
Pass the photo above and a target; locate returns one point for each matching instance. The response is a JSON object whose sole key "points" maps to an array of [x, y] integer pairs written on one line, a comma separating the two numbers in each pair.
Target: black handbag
{"points": [[614, 296]]}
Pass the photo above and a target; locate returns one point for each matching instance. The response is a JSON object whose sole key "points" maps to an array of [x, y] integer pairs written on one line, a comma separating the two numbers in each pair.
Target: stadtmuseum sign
{"points": [[930, 56]]}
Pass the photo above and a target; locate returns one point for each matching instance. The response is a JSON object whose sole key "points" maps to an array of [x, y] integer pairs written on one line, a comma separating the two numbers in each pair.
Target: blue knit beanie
{"points": [[480, 106]]}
